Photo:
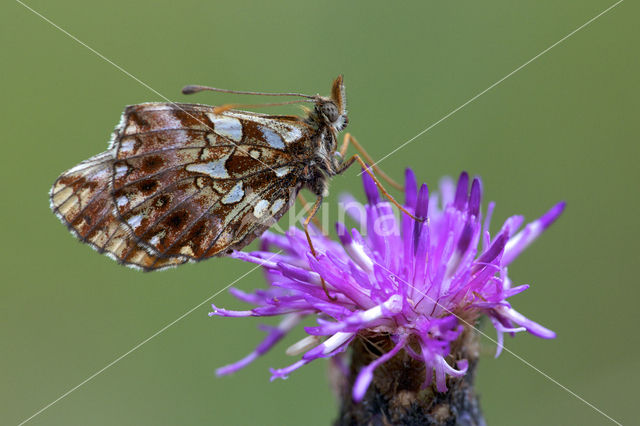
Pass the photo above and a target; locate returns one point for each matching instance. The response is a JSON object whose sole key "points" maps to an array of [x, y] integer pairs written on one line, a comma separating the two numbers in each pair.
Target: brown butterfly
{"points": [[185, 182]]}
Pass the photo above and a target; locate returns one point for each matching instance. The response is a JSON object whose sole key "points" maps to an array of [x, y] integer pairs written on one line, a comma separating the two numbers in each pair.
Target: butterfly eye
{"points": [[330, 110]]}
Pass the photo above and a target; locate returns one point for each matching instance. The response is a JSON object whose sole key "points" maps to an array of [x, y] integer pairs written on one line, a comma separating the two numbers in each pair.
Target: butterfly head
{"points": [[333, 110]]}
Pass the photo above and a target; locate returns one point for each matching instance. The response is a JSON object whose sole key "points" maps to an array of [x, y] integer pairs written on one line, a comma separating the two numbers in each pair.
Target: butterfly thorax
{"points": [[327, 119]]}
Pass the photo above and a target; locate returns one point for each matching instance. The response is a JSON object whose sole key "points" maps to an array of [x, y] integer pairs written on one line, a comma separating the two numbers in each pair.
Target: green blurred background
{"points": [[563, 127]]}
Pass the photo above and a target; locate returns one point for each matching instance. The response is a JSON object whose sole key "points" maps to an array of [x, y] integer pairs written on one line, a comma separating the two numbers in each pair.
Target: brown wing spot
{"points": [[162, 200], [177, 219], [148, 186], [240, 164], [198, 236], [138, 120], [251, 132], [190, 120], [152, 163], [198, 230]]}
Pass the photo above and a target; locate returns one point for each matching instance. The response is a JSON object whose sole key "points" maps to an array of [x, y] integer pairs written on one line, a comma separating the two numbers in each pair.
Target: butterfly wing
{"points": [[81, 198], [181, 183]]}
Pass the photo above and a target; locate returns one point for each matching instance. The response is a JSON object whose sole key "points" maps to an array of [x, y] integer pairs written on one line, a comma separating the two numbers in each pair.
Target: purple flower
{"points": [[415, 281]]}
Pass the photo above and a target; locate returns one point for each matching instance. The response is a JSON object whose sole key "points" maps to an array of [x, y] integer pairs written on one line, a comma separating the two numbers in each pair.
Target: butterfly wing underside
{"points": [[180, 183]]}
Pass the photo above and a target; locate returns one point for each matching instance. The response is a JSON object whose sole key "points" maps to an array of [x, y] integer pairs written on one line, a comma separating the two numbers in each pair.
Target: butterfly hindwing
{"points": [[81, 198]]}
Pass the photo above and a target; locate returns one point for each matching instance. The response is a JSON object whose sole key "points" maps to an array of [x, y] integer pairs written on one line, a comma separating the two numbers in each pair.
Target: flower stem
{"points": [[396, 395]]}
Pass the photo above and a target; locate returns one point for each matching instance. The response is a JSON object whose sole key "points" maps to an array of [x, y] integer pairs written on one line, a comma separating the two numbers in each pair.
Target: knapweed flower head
{"points": [[412, 280]]}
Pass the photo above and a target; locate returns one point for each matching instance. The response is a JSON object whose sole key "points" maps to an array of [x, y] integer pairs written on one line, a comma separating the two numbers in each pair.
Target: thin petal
{"points": [[531, 326], [521, 241], [370, 188], [274, 336], [461, 191], [410, 186], [475, 197]]}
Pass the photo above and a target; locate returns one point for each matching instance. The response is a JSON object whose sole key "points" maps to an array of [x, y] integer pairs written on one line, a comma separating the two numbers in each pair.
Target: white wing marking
{"points": [[225, 126], [216, 168], [234, 195], [260, 208]]}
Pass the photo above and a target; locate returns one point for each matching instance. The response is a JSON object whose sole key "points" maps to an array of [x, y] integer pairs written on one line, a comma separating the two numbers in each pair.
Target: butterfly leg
{"points": [[306, 206], [348, 138], [314, 210], [345, 165]]}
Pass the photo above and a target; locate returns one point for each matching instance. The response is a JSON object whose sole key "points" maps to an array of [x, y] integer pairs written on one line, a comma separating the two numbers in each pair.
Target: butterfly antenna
{"points": [[191, 89]]}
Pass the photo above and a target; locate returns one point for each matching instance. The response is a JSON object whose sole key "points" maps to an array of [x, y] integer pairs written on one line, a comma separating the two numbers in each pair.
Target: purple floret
{"points": [[411, 280]]}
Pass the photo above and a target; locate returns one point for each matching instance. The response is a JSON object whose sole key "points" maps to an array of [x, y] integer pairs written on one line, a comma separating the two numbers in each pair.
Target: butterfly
{"points": [[185, 182]]}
